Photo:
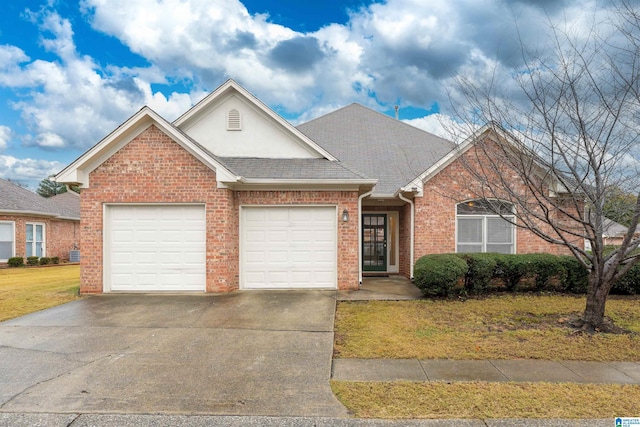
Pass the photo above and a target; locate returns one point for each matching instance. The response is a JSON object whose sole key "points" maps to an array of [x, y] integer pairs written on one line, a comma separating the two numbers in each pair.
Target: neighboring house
{"points": [[232, 196], [31, 225], [612, 235]]}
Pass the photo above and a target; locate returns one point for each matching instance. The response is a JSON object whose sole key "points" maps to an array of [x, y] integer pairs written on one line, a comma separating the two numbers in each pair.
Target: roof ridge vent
{"points": [[233, 120]]}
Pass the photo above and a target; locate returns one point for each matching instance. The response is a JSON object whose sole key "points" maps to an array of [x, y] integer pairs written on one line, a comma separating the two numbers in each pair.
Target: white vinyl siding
{"points": [[7, 240], [152, 248], [289, 247]]}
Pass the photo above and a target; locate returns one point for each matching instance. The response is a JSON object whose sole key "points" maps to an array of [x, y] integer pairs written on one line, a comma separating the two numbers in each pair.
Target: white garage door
{"points": [[288, 247], [155, 248]]}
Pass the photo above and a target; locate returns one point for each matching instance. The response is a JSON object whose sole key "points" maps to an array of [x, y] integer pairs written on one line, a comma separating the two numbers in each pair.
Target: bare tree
{"points": [[561, 137]]}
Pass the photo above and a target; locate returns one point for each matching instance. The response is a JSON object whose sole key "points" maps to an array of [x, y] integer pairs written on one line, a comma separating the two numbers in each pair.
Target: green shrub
{"points": [[629, 284], [55, 260], [481, 268], [576, 275], [544, 268], [438, 275], [15, 261], [512, 269], [45, 260], [33, 260]]}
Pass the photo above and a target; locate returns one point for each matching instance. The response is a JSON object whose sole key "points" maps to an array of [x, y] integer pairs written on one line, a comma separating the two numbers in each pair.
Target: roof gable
{"points": [[231, 122], [78, 172]]}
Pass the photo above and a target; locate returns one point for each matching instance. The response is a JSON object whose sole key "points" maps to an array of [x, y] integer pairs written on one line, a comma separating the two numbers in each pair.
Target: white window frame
{"points": [[34, 241], [485, 225], [13, 233]]}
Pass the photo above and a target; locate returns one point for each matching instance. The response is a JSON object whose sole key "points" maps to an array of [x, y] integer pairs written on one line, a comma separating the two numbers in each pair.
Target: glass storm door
{"points": [[374, 242]]}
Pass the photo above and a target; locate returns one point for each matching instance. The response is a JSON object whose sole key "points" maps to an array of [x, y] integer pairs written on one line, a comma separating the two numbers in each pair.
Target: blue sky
{"points": [[72, 71]]}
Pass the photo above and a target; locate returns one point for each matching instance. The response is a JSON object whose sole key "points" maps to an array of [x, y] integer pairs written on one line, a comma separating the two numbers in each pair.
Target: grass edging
{"points": [[479, 400]]}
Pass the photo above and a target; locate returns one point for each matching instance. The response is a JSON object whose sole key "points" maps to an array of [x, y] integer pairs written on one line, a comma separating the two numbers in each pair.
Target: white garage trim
{"points": [[289, 247], [154, 248]]}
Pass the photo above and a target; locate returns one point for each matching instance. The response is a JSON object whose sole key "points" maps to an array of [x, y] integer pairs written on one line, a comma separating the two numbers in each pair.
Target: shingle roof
{"points": [[259, 168], [68, 204], [14, 198], [377, 145]]}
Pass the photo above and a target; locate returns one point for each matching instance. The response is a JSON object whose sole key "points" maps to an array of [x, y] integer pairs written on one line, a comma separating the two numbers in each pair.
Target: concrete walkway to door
{"points": [[246, 353]]}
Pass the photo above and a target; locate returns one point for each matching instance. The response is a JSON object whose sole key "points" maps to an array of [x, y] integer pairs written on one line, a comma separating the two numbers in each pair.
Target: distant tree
{"points": [[48, 188], [16, 182], [620, 206]]}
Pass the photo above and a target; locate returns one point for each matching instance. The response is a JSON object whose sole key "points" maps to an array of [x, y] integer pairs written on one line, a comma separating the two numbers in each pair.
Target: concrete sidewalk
{"points": [[485, 370]]}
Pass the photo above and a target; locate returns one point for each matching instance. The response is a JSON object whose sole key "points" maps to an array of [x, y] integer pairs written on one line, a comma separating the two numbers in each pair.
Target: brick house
{"points": [[31, 225], [232, 196]]}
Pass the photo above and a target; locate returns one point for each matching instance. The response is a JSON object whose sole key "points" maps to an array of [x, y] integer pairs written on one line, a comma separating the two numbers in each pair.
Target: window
{"points": [[7, 240], [481, 228], [35, 240]]}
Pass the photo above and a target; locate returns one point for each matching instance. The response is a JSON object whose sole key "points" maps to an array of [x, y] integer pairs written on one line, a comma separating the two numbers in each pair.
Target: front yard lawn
{"points": [[497, 327], [25, 290], [487, 400]]}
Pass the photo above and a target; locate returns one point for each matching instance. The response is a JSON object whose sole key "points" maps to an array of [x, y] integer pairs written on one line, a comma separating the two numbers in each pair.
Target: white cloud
{"points": [[5, 136], [29, 171], [406, 52]]}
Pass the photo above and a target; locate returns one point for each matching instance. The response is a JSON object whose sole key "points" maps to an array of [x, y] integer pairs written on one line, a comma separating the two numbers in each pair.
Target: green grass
{"points": [[25, 290], [393, 400], [499, 327]]}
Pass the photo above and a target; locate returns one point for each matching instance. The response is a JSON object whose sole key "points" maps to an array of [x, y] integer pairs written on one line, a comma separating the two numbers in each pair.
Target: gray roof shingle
{"points": [[377, 145], [14, 198], [260, 168]]}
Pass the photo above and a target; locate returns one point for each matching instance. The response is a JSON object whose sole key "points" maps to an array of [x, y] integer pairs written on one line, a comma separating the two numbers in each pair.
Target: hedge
{"points": [[438, 275], [15, 261], [33, 260], [441, 274], [481, 268]]}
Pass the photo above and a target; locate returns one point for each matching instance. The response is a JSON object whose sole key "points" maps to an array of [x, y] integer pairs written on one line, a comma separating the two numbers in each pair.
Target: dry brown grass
{"points": [[25, 290], [487, 400], [501, 327]]}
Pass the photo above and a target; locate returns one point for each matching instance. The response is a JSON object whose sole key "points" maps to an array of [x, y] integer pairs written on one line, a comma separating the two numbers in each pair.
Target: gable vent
{"points": [[233, 120]]}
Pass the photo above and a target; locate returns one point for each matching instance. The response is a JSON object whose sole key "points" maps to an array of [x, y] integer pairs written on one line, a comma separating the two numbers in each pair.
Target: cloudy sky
{"points": [[73, 70]]}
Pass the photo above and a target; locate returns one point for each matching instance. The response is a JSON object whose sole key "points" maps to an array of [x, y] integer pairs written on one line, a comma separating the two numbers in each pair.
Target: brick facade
{"points": [[435, 217], [60, 235], [152, 168]]}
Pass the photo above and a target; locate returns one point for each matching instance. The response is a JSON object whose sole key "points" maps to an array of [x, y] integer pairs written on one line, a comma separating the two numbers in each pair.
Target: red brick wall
{"points": [[152, 168], [347, 231], [60, 235], [436, 211]]}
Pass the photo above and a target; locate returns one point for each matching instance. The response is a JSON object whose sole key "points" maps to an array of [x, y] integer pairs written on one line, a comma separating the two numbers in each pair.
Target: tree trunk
{"points": [[593, 316]]}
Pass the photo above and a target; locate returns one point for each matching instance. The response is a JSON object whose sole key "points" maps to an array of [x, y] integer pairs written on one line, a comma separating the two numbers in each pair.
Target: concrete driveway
{"points": [[246, 353]]}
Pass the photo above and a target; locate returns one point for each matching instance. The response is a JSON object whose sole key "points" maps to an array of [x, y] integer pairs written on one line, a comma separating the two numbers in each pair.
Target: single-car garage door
{"points": [[152, 248], [288, 247]]}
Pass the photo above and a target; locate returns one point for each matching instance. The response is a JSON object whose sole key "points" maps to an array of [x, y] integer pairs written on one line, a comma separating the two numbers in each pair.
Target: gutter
{"points": [[36, 213], [411, 232], [360, 235]]}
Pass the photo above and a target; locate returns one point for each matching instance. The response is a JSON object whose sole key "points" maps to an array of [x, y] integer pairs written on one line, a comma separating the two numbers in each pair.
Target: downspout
{"points": [[367, 194], [410, 232]]}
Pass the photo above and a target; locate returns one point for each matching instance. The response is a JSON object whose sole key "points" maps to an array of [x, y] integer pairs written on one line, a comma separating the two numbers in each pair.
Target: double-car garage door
{"points": [[150, 248]]}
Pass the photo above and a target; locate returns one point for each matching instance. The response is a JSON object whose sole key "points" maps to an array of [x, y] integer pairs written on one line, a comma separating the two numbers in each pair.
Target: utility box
{"points": [[74, 256]]}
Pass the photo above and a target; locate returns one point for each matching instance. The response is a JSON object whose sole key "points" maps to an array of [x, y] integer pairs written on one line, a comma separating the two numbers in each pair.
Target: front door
{"points": [[374, 242]]}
